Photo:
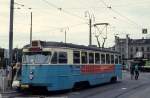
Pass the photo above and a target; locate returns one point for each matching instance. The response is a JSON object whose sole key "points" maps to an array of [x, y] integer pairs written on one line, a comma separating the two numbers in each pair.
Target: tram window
{"points": [[107, 58], [102, 58], [76, 57], [112, 59], [36, 57], [91, 58], [116, 59], [62, 57], [97, 58], [84, 57], [54, 58]]}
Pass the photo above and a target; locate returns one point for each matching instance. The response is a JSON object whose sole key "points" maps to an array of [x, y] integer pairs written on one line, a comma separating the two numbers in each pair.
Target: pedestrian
{"points": [[9, 75], [136, 71], [132, 68], [17, 70]]}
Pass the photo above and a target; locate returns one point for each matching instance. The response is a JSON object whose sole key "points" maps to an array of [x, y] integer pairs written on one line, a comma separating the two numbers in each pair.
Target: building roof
{"points": [[139, 41], [136, 41]]}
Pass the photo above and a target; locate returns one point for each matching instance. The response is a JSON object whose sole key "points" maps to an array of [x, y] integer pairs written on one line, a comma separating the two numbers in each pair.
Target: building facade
{"points": [[132, 48]]}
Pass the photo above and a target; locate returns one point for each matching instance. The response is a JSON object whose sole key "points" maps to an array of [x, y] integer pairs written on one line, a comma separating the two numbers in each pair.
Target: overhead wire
{"points": [[72, 26], [123, 16], [62, 10]]}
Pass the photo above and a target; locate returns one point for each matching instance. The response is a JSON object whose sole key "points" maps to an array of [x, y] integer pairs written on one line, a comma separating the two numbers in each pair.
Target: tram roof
{"points": [[50, 44]]}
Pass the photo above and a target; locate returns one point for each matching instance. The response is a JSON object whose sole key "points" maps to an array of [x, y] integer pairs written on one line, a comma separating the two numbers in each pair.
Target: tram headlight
{"points": [[31, 72], [31, 76]]}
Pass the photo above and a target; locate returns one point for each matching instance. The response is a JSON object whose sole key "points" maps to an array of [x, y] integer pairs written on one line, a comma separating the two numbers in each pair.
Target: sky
{"points": [[52, 17]]}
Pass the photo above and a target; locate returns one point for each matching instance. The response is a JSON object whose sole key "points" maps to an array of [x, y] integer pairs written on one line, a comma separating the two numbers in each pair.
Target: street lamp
{"points": [[90, 16]]}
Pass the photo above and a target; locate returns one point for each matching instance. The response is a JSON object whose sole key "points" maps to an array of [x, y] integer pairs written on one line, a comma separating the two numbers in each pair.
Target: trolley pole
{"points": [[11, 31]]}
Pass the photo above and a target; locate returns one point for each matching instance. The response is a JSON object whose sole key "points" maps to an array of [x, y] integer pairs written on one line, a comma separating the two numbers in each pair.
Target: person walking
{"points": [[132, 70], [136, 71]]}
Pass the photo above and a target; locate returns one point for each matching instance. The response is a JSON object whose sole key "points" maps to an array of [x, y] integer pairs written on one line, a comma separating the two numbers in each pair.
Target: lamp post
{"points": [[90, 16], [30, 27]]}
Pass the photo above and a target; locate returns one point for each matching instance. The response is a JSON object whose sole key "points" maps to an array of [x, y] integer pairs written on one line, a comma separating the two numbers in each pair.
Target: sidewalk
{"points": [[8, 91]]}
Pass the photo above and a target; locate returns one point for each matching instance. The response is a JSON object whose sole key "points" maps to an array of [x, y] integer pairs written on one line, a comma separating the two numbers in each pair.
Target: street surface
{"points": [[126, 88]]}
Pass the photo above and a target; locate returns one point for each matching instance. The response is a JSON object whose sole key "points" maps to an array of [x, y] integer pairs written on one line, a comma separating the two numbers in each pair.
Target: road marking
{"points": [[75, 93], [123, 88]]}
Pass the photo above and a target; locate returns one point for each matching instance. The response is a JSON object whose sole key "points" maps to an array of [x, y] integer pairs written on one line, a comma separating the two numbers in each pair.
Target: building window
{"points": [[91, 58], [148, 56], [131, 56], [97, 58], [119, 59], [76, 57], [142, 48], [148, 48], [137, 49], [122, 49], [131, 49], [84, 57], [123, 57]]}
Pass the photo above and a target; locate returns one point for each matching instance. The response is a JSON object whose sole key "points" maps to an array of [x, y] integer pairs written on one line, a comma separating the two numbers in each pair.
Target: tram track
{"points": [[121, 93], [131, 90]]}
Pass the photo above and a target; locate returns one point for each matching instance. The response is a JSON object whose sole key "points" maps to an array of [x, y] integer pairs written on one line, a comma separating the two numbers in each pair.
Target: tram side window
{"points": [[107, 58], [76, 57], [102, 58], [84, 57], [91, 58], [116, 59], [97, 58], [54, 58], [62, 57], [112, 59]]}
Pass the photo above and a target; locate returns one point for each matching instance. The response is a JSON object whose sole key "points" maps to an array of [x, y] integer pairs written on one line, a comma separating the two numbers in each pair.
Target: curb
{"points": [[7, 92]]}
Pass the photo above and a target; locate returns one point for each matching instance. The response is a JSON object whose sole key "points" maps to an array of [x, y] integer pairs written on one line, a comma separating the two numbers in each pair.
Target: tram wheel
{"points": [[113, 80]]}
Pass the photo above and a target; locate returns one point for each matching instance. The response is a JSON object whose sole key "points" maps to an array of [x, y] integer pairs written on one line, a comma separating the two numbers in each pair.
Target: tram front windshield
{"points": [[36, 57]]}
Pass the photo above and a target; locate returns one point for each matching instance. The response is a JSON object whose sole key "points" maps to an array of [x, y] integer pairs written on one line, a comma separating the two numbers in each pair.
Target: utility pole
{"points": [[11, 31], [90, 31], [31, 31]]}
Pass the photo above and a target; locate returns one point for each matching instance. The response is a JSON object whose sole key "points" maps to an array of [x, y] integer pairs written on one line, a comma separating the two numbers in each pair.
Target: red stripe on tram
{"points": [[97, 68]]}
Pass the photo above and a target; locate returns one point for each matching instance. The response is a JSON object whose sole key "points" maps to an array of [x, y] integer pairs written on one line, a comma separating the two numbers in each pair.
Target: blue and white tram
{"points": [[60, 66]]}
